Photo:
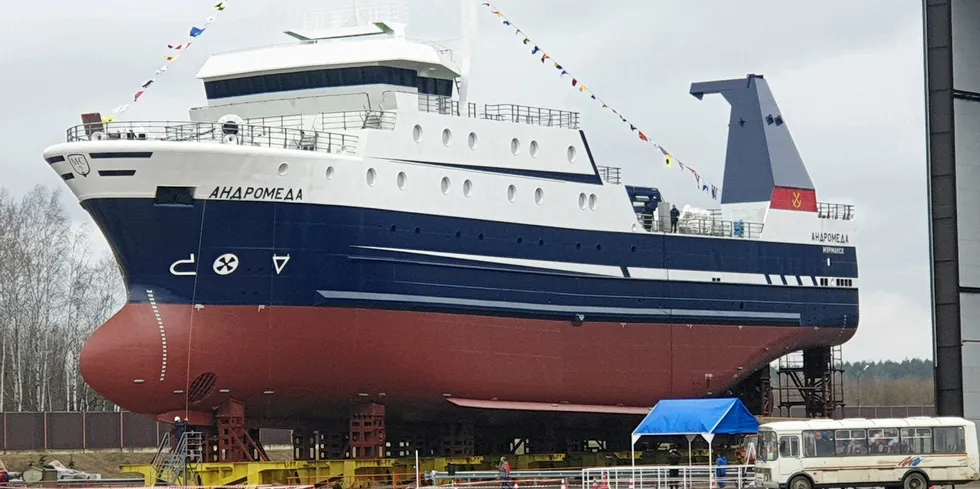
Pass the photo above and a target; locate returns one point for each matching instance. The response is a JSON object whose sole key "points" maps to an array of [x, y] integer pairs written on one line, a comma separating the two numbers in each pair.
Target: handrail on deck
{"points": [[703, 227], [213, 132], [842, 212], [535, 116], [611, 174]]}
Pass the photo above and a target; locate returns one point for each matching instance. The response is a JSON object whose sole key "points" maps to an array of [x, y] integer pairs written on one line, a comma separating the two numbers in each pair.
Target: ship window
{"points": [[434, 86], [336, 77], [174, 196]]}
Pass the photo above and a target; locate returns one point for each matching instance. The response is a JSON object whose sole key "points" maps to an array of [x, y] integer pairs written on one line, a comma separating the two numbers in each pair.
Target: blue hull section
{"points": [[332, 261]]}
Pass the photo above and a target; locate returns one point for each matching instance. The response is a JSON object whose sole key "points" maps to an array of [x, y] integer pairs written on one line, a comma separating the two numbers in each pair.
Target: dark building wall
{"points": [[952, 69], [39, 432]]}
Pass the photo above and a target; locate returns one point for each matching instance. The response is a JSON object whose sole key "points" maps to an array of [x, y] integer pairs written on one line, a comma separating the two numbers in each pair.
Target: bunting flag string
{"points": [[174, 51], [670, 160]]}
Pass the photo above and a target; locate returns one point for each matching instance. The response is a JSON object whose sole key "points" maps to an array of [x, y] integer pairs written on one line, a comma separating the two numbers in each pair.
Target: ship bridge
{"points": [[352, 59]]}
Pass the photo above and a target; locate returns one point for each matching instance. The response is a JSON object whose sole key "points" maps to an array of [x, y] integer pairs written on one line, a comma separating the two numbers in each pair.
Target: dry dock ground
{"points": [[103, 462]]}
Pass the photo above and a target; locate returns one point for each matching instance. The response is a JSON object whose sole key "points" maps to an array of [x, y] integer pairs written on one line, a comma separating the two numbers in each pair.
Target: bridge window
{"points": [[336, 77]]}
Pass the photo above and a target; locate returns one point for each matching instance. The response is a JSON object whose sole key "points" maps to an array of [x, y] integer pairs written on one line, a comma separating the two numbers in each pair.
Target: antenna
{"points": [[469, 27]]}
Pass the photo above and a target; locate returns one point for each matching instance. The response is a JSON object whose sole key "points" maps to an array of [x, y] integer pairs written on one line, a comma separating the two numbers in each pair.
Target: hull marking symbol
{"points": [[174, 265], [226, 264], [79, 163], [280, 262]]}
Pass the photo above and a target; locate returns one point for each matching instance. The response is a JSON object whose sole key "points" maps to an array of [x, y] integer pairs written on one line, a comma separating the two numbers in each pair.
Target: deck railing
{"points": [[611, 174], [535, 116], [331, 121], [212, 132], [703, 227], [842, 212]]}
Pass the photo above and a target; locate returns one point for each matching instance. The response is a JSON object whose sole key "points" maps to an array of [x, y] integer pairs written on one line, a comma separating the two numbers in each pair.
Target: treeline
{"points": [[889, 383], [54, 291]]}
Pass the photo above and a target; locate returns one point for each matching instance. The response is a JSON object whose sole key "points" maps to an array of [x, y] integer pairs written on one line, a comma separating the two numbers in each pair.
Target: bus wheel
{"points": [[914, 480], [801, 482]]}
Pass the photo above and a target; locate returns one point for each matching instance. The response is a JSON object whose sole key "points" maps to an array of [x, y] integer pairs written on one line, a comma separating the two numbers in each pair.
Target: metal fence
{"points": [[36, 432], [687, 476], [213, 132]]}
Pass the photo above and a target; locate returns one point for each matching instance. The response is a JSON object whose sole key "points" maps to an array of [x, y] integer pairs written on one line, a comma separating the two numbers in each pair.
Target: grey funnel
{"points": [[761, 152]]}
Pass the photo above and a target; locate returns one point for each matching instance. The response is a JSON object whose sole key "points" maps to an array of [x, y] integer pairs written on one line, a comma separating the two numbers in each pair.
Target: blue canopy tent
{"points": [[694, 417]]}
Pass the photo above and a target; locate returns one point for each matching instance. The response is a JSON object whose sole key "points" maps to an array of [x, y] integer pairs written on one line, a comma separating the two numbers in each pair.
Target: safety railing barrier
{"points": [[213, 132], [330, 121], [703, 227], [611, 174], [535, 116], [841, 212], [669, 477]]}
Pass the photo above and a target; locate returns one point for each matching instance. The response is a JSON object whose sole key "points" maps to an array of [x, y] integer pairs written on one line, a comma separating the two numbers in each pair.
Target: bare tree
{"points": [[53, 293]]}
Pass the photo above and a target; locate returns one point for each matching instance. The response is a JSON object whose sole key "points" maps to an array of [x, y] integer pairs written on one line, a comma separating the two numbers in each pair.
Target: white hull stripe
{"points": [[638, 273], [528, 306]]}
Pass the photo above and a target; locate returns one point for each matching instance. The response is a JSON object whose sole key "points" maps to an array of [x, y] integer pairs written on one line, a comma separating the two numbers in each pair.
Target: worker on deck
{"points": [[675, 216], [503, 473]]}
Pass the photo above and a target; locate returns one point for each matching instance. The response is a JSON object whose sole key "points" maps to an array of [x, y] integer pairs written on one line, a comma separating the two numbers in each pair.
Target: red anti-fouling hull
{"points": [[304, 364]]}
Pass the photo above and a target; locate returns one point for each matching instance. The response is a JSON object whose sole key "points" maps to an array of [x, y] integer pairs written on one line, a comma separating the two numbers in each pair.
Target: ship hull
{"points": [[304, 311], [315, 364]]}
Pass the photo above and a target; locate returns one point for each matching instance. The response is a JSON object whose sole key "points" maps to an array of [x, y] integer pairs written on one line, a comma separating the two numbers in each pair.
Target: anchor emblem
{"points": [[797, 200]]}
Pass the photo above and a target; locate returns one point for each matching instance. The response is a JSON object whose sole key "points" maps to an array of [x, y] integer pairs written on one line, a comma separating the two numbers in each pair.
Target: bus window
{"points": [[818, 443], [767, 446], [851, 442], [916, 440], [884, 441], [789, 446], [949, 440]]}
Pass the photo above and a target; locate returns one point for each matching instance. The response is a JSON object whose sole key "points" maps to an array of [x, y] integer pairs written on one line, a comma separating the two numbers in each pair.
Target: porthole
{"points": [[371, 176], [447, 137], [571, 153], [534, 149], [593, 201], [582, 201], [511, 193], [445, 185], [417, 134], [418, 230], [539, 196], [598, 247], [330, 172], [473, 140], [578, 246], [467, 188], [515, 146], [393, 228], [540, 242], [632, 249], [458, 234], [520, 240], [283, 168], [479, 236], [402, 180]]}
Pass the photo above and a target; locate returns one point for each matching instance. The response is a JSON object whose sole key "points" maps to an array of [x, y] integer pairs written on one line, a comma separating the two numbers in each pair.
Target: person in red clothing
{"points": [[503, 473]]}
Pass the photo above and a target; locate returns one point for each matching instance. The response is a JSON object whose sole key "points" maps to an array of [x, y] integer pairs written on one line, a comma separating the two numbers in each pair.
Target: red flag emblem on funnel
{"points": [[793, 199]]}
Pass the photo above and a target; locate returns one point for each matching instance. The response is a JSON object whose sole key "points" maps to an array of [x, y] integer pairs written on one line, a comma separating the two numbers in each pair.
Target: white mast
{"points": [[469, 26]]}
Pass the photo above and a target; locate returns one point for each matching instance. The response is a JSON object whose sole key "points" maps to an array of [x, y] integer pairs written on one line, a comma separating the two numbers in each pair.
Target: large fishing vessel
{"points": [[340, 226]]}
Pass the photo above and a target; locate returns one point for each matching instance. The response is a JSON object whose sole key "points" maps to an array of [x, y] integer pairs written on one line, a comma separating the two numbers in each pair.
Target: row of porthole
{"points": [[473, 140], [446, 186]]}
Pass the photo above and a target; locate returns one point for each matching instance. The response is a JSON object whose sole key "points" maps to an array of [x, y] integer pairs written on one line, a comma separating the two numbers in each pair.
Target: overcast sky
{"points": [[847, 76]]}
